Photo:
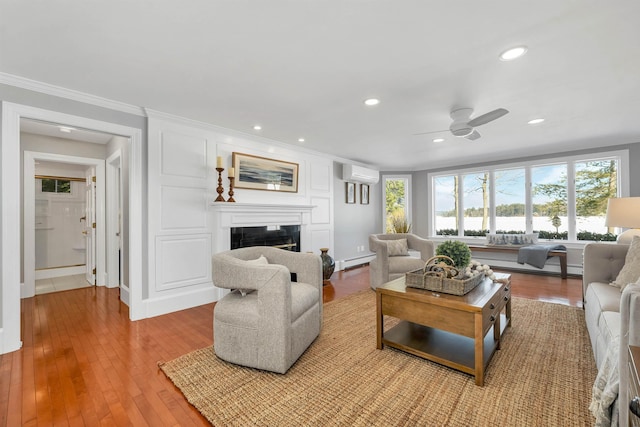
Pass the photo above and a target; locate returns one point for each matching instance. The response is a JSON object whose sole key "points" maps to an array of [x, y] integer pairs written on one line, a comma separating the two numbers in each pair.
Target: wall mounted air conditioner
{"points": [[353, 173]]}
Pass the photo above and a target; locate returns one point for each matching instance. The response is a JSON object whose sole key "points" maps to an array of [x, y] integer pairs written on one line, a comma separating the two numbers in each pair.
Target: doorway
{"points": [[93, 237], [11, 255], [64, 215]]}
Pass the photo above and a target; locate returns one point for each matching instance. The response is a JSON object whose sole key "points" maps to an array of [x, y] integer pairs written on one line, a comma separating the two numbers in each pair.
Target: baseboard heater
{"points": [[347, 264]]}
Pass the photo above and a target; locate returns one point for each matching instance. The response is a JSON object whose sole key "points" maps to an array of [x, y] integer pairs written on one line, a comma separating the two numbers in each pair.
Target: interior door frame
{"points": [[28, 288], [92, 205], [10, 220], [114, 219]]}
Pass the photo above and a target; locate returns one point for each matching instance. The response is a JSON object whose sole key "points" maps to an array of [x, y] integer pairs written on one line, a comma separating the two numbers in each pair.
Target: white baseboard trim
{"points": [[8, 347], [164, 305], [125, 295], [352, 262]]}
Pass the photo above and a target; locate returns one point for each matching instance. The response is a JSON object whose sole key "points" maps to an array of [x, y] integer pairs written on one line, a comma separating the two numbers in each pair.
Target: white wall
{"points": [[354, 222], [181, 188]]}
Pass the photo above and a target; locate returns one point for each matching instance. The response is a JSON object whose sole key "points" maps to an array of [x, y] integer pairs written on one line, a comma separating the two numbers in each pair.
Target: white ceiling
{"points": [[50, 129], [301, 68]]}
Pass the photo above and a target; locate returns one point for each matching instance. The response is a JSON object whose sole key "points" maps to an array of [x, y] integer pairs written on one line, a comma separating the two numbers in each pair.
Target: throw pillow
{"points": [[258, 261], [630, 272], [397, 247]]}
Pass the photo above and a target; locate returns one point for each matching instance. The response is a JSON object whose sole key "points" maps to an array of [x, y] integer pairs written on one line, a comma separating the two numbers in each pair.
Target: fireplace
{"points": [[279, 236], [249, 216]]}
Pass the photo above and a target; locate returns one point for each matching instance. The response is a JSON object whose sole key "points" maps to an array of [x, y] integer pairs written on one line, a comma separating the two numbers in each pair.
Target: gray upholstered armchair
{"points": [[267, 321], [393, 259]]}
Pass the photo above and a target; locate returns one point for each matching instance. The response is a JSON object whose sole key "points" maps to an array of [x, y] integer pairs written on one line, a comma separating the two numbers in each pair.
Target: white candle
{"points": [[219, 162], [232, 172]]}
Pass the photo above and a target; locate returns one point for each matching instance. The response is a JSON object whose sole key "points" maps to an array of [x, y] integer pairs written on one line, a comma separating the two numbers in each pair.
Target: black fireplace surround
{"points": [[286, 237]]}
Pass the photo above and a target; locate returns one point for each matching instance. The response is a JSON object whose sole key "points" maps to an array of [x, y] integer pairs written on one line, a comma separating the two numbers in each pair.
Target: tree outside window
{"points": [[56, 185], [596, 183], [476, 204], [396, 204], [550, 201]]}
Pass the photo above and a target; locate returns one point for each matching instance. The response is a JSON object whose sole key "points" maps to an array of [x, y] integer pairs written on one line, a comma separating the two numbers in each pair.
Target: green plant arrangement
{"points": [[400, 224], [458, 251]]}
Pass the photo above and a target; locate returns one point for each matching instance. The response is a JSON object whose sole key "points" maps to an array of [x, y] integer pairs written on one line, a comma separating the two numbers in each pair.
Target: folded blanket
{"points": [[537, 255], [604, 398]]}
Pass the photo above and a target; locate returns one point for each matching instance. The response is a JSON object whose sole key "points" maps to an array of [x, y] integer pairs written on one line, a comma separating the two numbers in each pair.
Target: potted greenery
{"points": [[458, 251]]}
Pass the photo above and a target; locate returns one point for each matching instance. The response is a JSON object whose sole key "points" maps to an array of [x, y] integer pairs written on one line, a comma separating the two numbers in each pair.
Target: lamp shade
{"points": [[623, 212]]}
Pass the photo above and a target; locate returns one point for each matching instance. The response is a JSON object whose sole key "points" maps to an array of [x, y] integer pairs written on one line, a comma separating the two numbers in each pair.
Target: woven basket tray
{"points": [[437, 281]]}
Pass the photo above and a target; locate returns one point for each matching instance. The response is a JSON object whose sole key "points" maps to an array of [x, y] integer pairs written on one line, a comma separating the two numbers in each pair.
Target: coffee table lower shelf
{"points": [[445, 348]]}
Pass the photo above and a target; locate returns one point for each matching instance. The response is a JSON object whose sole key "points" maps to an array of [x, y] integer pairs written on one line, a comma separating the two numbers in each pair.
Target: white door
{"points": [[114, 221], [90, 225]]}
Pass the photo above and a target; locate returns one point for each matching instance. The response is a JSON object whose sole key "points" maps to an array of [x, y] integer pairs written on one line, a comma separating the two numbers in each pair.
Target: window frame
{"points": [[622, 156]]}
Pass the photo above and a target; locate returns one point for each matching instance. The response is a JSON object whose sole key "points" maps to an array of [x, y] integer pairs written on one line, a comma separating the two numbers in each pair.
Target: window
{"points": [[510, 199], [446, 205], [475, 201], [56, 186], [561, 199], [596, 182], [550, 218], [397, 209]]}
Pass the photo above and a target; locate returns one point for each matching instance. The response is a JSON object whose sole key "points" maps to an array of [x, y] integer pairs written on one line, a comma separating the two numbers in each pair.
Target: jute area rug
{"points": [[542, 376]]}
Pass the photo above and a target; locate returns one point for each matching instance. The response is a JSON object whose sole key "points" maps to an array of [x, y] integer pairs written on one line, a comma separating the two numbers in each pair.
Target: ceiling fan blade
{"points": [[488, 117], [435, 131], [473, 135]]}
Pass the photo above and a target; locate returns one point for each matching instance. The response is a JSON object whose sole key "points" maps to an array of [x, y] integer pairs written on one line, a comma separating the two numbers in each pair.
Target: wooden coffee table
{"points": [[447, 329]]}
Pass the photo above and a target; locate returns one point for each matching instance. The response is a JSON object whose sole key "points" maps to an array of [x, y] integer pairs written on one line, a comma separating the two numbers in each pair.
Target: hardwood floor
{"points": [[84, 363]]}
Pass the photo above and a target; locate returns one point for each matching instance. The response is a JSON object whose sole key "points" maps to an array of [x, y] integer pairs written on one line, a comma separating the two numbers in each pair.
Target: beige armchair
{"points": [[393, 259], [266, 321]]}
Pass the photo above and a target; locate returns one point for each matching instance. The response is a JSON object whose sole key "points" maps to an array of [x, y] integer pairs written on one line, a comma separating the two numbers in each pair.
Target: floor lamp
{"points": [[624, 212]]}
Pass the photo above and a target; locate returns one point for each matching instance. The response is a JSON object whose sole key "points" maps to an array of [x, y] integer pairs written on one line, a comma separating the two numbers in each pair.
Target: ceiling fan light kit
{"points": [[460, 129], [464, 127]]}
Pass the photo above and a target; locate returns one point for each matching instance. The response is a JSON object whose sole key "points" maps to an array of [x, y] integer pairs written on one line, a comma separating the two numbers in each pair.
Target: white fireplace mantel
{"points": [[229, 215]]}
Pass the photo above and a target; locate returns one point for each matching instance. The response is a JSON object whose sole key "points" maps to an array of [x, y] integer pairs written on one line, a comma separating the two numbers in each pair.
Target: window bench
{"points": [[562, 255]]}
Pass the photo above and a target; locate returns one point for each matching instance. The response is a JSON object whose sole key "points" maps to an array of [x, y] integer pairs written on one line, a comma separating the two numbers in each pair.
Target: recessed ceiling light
{"points": [[257, 127], [371, 101], [513, 53], [300, 139], [438, 140], [65, 129], [535, 121]]}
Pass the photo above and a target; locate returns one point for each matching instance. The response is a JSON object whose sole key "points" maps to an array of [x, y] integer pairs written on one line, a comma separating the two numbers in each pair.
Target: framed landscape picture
{"points": [[364, 194], [351, 192], [261, 173]]}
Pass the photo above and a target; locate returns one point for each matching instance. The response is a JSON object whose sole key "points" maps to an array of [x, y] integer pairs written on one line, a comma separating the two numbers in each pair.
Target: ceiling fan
{"points": [[463, 125]]}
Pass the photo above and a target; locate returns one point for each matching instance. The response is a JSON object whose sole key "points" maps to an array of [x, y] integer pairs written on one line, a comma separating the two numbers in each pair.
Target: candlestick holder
{"points": [[230, 199], [220, 188]]}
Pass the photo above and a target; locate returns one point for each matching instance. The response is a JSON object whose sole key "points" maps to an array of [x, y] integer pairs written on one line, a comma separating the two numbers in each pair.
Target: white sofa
{"points": [[609, 313]]}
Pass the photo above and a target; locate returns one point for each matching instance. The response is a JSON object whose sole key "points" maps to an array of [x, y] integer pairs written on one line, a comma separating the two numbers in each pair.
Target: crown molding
{"points": [[74, 95]]}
